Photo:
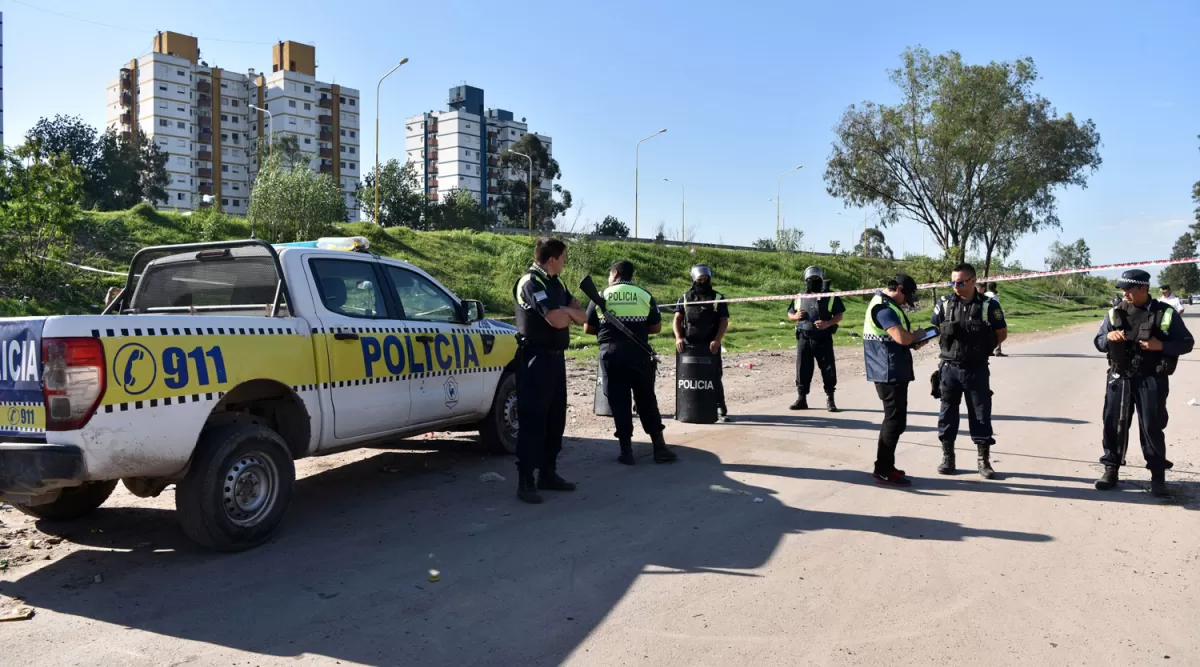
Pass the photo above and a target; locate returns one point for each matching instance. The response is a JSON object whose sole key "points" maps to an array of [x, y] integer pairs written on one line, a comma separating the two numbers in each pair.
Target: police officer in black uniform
{"points": [[627, 364], [816, 321], [703, 324], [1144, 339], [971, 326], [545, 309]]}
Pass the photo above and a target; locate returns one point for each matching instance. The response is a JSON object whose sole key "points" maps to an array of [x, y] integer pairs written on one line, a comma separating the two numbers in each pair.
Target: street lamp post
{"points": [[377, 87], [270, 120], [778, 197], [529, 187], [682, 210], [636, 159]]}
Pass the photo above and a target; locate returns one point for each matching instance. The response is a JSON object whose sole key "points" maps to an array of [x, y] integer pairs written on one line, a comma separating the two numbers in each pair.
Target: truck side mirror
{"points": [[473, 310]]}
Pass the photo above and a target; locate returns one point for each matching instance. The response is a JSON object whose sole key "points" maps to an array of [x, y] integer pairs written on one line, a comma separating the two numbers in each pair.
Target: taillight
{"points": [[73, 381]]}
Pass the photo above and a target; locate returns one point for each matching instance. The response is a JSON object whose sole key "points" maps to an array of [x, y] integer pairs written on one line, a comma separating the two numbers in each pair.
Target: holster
{"points": [[935, 382]]}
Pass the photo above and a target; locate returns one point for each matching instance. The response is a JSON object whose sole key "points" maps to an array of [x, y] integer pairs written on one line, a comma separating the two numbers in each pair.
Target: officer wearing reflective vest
{"points": [[1144, 339], [544, 309], [816, 321], [627, 364], [701, 322], [887, 347], [971, 326]]}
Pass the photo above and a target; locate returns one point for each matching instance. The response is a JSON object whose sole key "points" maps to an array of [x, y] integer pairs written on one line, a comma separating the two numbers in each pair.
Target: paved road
{"points": [[680, 565]]}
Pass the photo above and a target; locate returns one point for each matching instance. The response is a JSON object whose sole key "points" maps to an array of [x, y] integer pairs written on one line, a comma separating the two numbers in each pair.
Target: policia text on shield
{"points": [[623, 317], [544, 310]]}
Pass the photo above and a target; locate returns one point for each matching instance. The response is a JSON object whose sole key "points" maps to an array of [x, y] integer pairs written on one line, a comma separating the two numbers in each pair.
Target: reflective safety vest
{"points": [[1140, 324], [887, 361], [627, 302], [533, 329]]}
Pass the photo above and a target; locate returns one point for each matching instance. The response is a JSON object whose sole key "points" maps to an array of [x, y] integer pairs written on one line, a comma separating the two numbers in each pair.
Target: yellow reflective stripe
{"points": [[1168, 315], [1112, 317], [521, 284]]}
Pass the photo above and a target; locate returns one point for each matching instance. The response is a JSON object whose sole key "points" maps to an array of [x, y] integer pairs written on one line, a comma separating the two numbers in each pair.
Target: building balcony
{"points": [[205, 137], [433, 196], [433, 183], [493, 147], [205, 189], [493, 162], [126, 136], [493, 190], [204, 156], [433, 141], [432, 156], [204, 172], [325, 152], [493, 173], [325, 119], [127, 118], [204, 86], [326, 135], [203, 100], [204, 121], [325, 103], [326, 167], [432, 128], [126, 99]]}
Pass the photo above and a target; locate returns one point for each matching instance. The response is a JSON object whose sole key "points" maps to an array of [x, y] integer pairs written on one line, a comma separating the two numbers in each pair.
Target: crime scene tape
{"points": [[84, 268], [990, 279]]}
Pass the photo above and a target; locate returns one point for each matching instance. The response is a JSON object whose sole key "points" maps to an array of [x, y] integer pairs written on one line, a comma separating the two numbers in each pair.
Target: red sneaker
{"points": [[893, 478]]}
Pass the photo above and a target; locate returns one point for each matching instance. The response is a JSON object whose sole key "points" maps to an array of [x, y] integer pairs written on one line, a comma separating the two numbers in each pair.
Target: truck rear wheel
{"points": [[237, 489], [498, 431], [72, 502]]}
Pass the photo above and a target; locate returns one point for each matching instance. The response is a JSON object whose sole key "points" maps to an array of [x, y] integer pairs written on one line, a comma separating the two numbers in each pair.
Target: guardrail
{"points": [[515, 231]]}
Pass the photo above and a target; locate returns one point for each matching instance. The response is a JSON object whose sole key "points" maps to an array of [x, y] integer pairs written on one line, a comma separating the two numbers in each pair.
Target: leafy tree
{"points": [[401, 202], [36, 217], [611, 226], [287, 147], [460, 210], [835, 247], [966, 145], [789, 239], [293, 204], [764, 244], [514, 202], [1183, 278], [1070, 256], [873, 244]]}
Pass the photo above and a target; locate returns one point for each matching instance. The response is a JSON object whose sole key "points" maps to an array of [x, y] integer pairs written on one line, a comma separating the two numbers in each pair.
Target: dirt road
{"points": [[768, 544]]}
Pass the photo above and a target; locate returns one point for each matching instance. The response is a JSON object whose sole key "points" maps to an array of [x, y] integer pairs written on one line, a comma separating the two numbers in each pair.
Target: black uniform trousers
{"points": [[541, 408], [973, 382], [815, 347], [630, 373], [895, 421], [1148, 394]]}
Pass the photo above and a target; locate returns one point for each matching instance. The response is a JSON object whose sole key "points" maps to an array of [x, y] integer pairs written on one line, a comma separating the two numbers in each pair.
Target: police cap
{"points": [[701, 270], [1133, 278]]}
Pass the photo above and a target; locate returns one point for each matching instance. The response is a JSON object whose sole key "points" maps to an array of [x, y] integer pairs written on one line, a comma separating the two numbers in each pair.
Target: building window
{"points": [[352, 135], [342, 99], [179, 72], [307, 124], [468, 126], [307, 106], [254, 127], [179, 124], [224, 118], [352, 166], [224, 152], [308, 89], [181, 161], [237, 203], [163, 88], [181, 143], [307, 141], [352, 150], [181, 90], [343, 165], [343, 149], [224, 85], [179, 196], [292, 104], [224, 137], [236, 188], [224, 201], [234, 103], [234, 120], [181, 109], [343, 133], [292, 122], [224, 169], [162, 122], [351, 101]]}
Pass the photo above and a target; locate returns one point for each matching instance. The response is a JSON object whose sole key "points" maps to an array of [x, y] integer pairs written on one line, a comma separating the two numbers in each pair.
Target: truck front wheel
{"points": [[72, 502], [237, 489]]}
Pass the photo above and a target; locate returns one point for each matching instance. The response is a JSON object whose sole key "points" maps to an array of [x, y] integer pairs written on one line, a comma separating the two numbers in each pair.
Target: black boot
{"points": [[985, 465], [830, 405], [722, 415], [626, 456], [800, 404], [661, 453], [548, 480], [947, 465], [1109, 479], [1158, 484], [527, 489]]}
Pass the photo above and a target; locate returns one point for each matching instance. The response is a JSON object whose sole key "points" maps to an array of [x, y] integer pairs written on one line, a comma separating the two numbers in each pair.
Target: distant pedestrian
{"points": [[1167, 297]]}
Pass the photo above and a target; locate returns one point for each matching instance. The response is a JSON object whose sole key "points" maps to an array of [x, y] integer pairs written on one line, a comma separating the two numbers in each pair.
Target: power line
{"points": [[128, 29]]}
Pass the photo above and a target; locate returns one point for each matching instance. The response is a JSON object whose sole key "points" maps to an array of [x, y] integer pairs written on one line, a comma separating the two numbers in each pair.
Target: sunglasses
{"points": [[961, 283]]}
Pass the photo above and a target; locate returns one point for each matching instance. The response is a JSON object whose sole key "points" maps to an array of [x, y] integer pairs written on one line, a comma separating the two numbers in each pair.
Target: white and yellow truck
{"points": [[220, 364]]}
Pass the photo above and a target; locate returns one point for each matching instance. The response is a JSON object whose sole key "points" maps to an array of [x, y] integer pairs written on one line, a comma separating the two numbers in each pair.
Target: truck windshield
{"points": [[238, 280]]}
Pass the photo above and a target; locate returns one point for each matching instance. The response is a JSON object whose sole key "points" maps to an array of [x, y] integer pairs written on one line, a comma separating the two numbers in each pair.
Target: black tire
{"points": [[73, 502], [498, 431], [237, 489]]}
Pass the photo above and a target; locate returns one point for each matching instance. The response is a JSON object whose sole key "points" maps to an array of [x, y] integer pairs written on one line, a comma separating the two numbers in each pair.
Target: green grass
{"points": [[485, 266]]}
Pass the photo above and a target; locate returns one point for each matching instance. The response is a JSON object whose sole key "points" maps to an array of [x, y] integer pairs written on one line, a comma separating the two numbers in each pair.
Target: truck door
{"points": [[445, 356], [366, 376]]}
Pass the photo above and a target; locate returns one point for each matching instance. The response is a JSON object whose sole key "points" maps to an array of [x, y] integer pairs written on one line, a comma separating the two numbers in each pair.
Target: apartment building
{"points": [[1, 80], [459, 149], [209, 120]]}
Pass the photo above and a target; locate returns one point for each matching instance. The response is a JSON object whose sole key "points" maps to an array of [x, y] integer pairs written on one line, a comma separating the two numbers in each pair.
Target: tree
{"points": [[1183, 278], [835, 247], [460, 210], [287, 147], [764, 244], [1070, 256], [611, 226], [789, 239], [401, 202], [118, 171], [293, 204], [36, 214], [873, 244], [514, 192], [965, 143]]}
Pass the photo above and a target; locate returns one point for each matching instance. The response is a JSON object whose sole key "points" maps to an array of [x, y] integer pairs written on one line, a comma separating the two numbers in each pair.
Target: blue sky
{"points": [[746, 91]]}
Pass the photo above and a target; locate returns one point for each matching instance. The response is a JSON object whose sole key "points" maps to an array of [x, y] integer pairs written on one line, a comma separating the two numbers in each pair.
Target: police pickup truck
{"points": [[220, 364]]}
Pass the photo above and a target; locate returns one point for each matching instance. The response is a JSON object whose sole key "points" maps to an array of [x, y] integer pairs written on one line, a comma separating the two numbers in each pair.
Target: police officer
{"points": [[887, 347], [545, 309], [1144, 339], [971, 326], [816, 321], [703, 324], [627, 364]]}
